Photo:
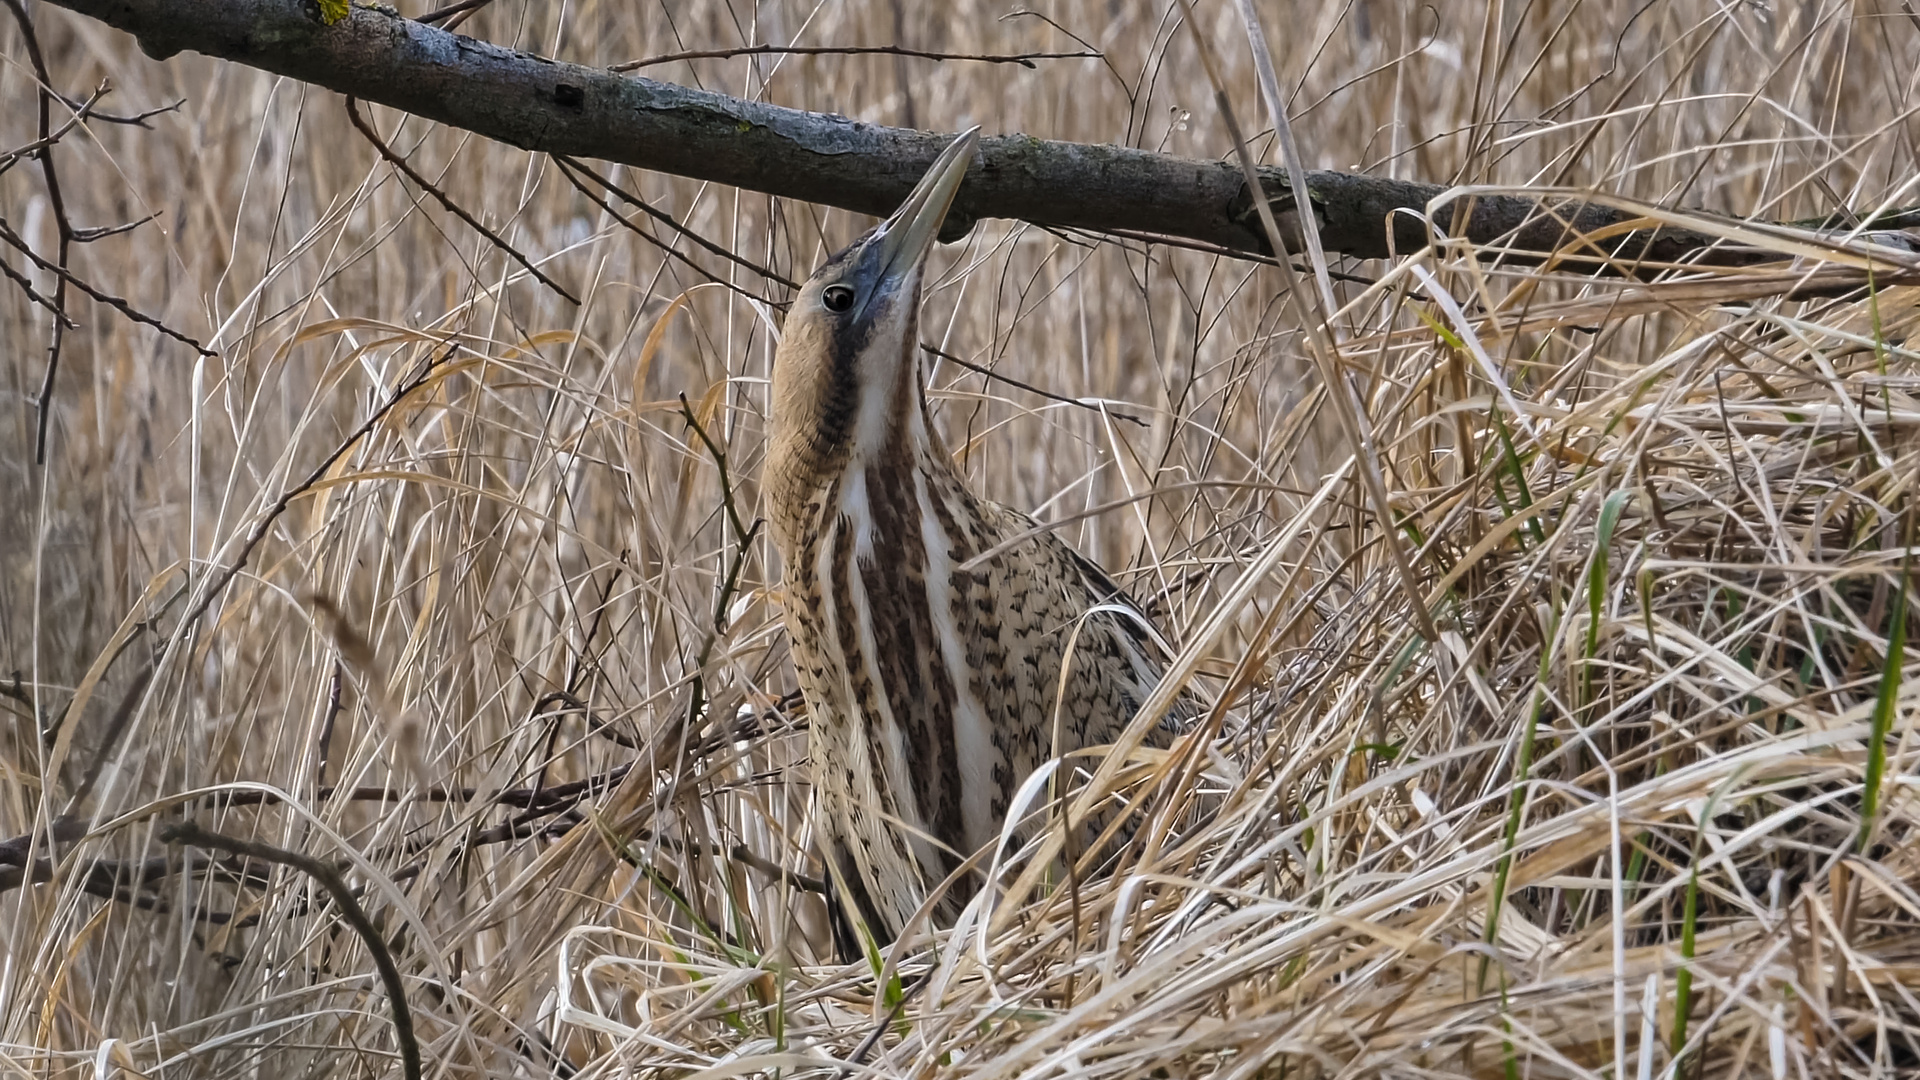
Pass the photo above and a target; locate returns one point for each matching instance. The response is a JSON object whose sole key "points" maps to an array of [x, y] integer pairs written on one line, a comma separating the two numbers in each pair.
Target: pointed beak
{"points": [[907, 236]]}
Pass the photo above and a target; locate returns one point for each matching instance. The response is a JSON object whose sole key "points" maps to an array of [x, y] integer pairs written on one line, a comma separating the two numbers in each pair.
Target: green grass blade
{"points": [[1883, 708]]}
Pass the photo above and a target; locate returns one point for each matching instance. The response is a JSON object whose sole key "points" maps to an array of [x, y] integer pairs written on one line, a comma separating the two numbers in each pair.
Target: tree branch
{"points": [[454, 208], [188, 832], [1025, 60], [560, 108]]}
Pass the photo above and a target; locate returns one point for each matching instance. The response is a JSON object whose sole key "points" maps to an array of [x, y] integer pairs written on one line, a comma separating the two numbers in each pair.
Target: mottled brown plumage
{"points": [[931, 689]]}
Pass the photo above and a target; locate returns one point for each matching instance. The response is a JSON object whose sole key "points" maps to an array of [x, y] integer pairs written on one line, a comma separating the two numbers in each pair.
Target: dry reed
{"points": [[495, 651]]}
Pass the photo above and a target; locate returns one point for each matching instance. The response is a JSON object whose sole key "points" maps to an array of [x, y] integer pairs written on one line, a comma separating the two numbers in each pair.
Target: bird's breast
{"points": [[936, 691]]}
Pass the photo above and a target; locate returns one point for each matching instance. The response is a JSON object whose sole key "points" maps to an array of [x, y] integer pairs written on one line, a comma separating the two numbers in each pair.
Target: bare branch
{"points": [[454, 208], [101, 232], [328, 878], [560, 108], [81, 110], [574, 171], [26, 286], [51, 177], [1025, 60], [138, 119], [118, 304]]}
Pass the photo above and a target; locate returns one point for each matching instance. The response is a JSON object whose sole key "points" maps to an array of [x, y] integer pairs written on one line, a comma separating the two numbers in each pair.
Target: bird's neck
{"points": [[886, 440]]}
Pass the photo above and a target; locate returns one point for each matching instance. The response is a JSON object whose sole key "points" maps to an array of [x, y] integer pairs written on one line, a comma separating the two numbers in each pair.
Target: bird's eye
{"points": [[837, 298]]}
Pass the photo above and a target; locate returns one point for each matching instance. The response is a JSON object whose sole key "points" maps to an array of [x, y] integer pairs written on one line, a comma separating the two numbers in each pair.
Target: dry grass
{"points": [[1659, 769]]}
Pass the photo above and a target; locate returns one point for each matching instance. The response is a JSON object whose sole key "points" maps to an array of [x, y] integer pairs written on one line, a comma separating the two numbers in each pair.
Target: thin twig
{"points": [[568, 167], [51, 177], [118, 304], [106, 878], [1091, 406], [79, 113], [1130, 93], [26, 286], [454, 208], [62, 830], [667, 219], [1161, 239], [741, 854], [188, 832], [138, 119], [18, 692], [1025, 60], [455, 14], [451, 10], [872, 1039], [323, 742], [116, 727], [101, 232], [744, 536], [720, 460]]}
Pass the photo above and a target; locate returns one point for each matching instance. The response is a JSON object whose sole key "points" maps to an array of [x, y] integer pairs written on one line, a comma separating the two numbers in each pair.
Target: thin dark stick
{"points": [[122, 713], [1204, 248], [1025, 60], [1131, 95], [398, 162], [553, 730], [19, 693], [101, 232], [1030, 388], [451, 10], [455, 22], [26, 286], [80, 112], [665, 248], [740, 531], [323, 750], [552, 798], [872, 1039], [51, 177], [567, 169], [103, 878], [697, 701], [580, 668], [667, 219], [138, 119], [740, 854], [189, 833], [123, 307], [62, 830], [115, 728]]}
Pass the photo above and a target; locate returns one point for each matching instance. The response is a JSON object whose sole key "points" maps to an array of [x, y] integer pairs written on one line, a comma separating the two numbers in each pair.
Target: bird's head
{"points": [[845, 378]]}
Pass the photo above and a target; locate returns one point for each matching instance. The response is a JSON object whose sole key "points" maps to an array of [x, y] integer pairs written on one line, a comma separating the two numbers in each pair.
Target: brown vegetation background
{"points": [[525, 576]]}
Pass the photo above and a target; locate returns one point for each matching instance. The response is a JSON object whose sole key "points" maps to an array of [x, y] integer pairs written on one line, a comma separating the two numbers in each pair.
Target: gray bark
{"points": [[554, 107]]}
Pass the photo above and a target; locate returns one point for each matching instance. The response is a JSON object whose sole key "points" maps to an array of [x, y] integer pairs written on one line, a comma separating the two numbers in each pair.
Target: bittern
{"points": [[936, 681]]}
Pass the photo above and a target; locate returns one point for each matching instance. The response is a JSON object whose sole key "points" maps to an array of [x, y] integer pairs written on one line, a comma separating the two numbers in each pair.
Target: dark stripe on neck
{"points": [[912, 662], [840, 404]]}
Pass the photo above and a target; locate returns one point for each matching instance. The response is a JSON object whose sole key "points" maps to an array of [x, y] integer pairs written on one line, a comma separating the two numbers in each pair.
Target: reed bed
{"points": [[1597, 758]]}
